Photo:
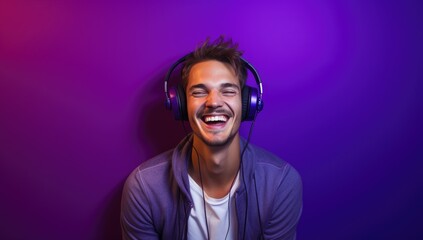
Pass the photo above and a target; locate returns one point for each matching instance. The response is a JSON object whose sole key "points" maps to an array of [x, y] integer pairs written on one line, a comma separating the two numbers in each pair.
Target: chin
{"points": [[215, 141]]}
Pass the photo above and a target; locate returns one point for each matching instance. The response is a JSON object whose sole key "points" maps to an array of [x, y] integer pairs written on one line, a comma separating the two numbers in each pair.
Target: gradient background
{"points": [[81, 104]]}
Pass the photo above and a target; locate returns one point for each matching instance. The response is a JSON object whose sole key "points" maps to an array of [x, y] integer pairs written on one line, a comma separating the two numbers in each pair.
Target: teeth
{"points": [[215, 119]]}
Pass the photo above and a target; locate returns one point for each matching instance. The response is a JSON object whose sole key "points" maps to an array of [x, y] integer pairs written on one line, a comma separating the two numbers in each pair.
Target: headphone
{"points": [[252, 102]]}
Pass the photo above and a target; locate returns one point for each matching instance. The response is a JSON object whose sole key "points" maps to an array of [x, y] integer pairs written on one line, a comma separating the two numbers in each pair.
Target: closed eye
{"points": [[229, 93], [229, 89], [199, 93]]}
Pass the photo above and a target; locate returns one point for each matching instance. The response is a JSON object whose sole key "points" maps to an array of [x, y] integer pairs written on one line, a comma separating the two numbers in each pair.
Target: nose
{"points": [[214, 99]]}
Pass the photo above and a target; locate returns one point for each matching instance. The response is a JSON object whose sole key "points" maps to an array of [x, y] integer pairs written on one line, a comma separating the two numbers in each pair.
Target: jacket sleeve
{"points": [[136, 216], [287, 207]]}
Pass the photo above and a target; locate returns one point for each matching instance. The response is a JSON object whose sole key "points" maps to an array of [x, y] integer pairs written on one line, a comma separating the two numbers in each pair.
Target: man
{"points": [[214, 184]]}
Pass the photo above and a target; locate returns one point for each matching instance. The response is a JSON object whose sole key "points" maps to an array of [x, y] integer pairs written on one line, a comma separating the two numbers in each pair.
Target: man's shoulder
{"points": [[265, 157], [156, 161], [272, 165], [153, 167]]}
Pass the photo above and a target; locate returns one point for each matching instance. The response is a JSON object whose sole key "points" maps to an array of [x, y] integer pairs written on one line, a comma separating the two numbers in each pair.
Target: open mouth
{"points": [[215, 120]]}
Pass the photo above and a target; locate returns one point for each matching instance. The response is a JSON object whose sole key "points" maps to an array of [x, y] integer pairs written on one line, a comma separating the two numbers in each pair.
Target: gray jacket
{"points": [[156, 199]]}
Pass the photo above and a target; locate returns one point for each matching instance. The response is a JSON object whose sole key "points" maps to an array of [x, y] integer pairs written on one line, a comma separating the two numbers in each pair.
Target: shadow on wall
{"points": [[158, 131], [110, 217]]}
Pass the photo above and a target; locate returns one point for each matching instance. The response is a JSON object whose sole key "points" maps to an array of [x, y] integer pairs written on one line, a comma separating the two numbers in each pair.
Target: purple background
{"points": [[81, 104]]}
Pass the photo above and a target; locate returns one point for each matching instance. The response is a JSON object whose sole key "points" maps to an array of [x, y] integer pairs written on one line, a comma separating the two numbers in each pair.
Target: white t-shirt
{"points": [[217, 214]]}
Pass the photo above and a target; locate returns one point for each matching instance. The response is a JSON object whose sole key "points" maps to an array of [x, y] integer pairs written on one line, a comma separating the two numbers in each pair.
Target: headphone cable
{"points": [[243, 175], [243, 180], [202, 190]]}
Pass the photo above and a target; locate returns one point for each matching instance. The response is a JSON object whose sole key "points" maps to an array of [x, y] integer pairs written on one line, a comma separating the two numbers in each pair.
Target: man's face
{"points": [[214, 102]]}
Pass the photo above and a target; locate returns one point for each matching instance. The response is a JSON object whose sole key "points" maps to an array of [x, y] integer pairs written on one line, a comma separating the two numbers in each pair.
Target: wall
{"points": [[81, 104]]}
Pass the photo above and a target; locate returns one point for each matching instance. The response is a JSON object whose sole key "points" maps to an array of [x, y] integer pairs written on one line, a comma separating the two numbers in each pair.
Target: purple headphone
{"points": [[252, 102]]}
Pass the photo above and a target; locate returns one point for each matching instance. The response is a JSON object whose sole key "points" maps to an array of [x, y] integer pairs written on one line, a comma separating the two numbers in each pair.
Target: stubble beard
{"points": [[216, 143]]}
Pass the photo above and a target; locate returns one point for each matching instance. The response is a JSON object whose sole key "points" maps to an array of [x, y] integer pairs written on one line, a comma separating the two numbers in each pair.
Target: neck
{"points": [[218, 165]]}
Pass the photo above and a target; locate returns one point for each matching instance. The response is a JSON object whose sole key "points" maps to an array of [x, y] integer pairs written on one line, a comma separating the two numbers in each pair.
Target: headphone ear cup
{"points": [[245, 102], [178, 103], [182, 104], [249, 103]]}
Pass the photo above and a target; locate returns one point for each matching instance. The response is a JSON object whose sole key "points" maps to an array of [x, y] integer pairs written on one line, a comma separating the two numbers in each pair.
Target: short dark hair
{"points": [[221, 50]]}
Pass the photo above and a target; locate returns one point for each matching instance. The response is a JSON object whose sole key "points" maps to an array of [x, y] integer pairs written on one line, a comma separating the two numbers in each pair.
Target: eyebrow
{"points": [[229, 85], [200, 85], [224, 85]]}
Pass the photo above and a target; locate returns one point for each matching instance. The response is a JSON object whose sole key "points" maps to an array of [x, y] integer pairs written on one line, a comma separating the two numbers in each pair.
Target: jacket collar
{"points": [[181, 157]]}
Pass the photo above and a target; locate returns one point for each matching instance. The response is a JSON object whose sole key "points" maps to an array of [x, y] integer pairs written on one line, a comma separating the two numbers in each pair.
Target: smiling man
{"points": [[214, 184]]}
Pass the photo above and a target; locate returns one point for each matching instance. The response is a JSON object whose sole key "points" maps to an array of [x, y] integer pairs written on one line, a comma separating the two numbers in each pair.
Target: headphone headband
{"points": [[256, 77], [169, 72]]}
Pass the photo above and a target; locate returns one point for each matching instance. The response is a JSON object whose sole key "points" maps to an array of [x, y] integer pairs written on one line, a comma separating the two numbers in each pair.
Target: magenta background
{"points": [[81, 104]]}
